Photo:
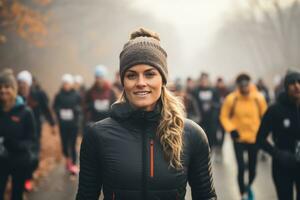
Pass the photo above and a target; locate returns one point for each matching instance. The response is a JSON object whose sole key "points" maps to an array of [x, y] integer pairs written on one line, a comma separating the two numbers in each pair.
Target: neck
{"points": [[7, 106]]}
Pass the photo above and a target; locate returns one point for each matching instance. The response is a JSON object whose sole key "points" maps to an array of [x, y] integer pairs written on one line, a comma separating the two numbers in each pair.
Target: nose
{"points": [[141, 82]]}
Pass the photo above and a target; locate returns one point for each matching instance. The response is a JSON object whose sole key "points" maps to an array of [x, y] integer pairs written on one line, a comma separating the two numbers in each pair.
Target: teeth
{"points": [[141, 93]]}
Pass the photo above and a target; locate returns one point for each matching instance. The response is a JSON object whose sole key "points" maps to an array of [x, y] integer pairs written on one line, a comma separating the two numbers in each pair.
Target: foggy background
{"points": [[221, 37]]}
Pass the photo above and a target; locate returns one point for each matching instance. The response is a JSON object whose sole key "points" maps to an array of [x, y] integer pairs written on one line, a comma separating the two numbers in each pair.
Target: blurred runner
{"points": [[67, 106], [222, 91], [81, 90], [282, 120], [17, 137], [38, 101], [208, 101], [240, 116], [99, 97], [190, 102]]}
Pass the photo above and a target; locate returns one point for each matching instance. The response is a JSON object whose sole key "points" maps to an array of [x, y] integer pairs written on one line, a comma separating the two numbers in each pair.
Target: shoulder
{"points": [[231, 97], [259, 96], [101, 127], [194, 132]]}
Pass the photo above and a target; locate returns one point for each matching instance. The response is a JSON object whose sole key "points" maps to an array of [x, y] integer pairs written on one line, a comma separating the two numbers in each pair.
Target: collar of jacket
{"points": [[18, 104], [125, 112]]}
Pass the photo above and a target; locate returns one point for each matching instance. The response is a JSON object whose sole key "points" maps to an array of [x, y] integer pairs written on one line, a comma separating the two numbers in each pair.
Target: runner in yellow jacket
{"points": [[240, 116], [243, 113]]}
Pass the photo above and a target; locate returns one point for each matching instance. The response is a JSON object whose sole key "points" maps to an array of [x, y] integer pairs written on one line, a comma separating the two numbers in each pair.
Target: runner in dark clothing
{"points": [[38, 101], [67, 106], [282, 120], [17, 137], [208, 101], [99, 97]]}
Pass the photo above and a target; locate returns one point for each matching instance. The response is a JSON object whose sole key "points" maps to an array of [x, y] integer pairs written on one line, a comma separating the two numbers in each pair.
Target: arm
{"points": [[45, 108], [264, 131], [225, 119], [90, 178], [199, 173]]}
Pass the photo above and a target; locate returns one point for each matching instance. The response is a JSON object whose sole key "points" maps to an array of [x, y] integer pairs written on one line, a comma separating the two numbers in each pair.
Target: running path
{"points": [[60, 186]]}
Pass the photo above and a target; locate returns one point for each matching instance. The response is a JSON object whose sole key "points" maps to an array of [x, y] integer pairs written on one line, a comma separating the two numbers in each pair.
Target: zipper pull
{"points": [[151, 158]]}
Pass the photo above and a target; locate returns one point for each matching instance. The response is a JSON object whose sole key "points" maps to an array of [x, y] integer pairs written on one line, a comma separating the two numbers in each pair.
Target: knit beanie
{"points": [[143, 48], [100, 71], [25, 76], [290, 77], [7, 78], [67, 78]]}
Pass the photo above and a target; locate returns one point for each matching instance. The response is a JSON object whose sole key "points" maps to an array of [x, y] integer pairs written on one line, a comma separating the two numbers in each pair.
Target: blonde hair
{"points": [[170, 129]]}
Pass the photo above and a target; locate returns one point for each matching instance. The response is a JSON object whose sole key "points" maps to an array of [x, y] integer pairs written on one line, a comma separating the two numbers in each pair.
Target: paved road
{"points": [[60, 186]]}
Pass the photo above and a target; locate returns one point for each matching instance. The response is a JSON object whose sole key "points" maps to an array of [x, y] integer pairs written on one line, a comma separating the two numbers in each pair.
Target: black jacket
{"points": [[17, 130], [122, 155], [38, 102], [67, 106], [282, 120]]}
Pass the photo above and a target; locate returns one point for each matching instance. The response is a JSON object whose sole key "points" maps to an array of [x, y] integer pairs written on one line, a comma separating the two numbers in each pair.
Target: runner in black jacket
{"points": [[17, 136], [283, 120], [67, 106], [37, 100], [146, 150]]}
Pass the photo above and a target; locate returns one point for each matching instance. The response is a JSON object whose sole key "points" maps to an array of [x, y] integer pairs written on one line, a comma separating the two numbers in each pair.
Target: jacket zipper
{"points": [[151, 158], [144, 171]]}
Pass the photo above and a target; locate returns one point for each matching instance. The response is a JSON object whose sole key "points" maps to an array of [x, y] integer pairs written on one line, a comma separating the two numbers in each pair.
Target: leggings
{"points": [[285, 179], [18, 180], [251, 149], [68, 140]]}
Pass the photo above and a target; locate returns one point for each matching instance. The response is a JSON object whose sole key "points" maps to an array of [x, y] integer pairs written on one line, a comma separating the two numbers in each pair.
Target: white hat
{"points": [[78, 79], [25, 76], [100, 71], [67, 78]]}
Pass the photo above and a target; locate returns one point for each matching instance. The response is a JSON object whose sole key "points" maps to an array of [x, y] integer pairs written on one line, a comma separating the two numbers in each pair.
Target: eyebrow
{"points": [[147, 70]]}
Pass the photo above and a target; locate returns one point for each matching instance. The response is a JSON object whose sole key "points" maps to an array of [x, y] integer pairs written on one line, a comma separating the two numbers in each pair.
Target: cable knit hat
{"points": [[143, 48], [7, 78]]}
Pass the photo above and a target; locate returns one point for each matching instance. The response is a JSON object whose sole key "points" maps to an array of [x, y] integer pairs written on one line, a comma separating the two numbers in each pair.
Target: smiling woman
{"points": [[146, 149]]}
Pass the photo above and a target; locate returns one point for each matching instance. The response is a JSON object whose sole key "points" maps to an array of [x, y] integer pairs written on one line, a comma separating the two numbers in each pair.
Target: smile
{"points": [[141, 93]]}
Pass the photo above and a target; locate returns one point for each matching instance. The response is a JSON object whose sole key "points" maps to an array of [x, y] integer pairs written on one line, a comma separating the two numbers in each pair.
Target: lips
{"points": [[141, 93]]}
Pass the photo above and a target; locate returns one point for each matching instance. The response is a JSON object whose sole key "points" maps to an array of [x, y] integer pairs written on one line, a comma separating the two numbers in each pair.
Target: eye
{"points": [[131, 76], [150, 74]]}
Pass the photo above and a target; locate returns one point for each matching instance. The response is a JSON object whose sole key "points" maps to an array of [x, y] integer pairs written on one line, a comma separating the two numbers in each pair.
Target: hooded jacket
{"points": [[17, 130], [243, 114], [122, 155], [282, 120]]}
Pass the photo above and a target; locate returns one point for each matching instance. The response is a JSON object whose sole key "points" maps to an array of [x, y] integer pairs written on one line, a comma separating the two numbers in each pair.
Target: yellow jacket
{"points": [[243, 114]]}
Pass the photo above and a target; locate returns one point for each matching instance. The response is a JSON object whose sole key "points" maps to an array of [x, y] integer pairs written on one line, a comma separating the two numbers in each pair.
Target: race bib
{"points": [[101, 105], [205, 95], [66, 114]]}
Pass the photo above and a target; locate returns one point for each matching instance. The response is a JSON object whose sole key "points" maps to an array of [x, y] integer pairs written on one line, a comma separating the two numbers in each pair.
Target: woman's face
{"points": [[143, 85], [7, 93]]}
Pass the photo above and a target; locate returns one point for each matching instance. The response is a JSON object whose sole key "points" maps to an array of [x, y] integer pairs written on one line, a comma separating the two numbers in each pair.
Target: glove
{"points": [[235, 135], [285, 158]]}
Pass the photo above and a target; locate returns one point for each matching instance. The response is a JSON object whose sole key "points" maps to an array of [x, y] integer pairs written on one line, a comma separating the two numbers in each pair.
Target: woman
{"points": [[146, 149], [17, 137], [67, 106]]}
